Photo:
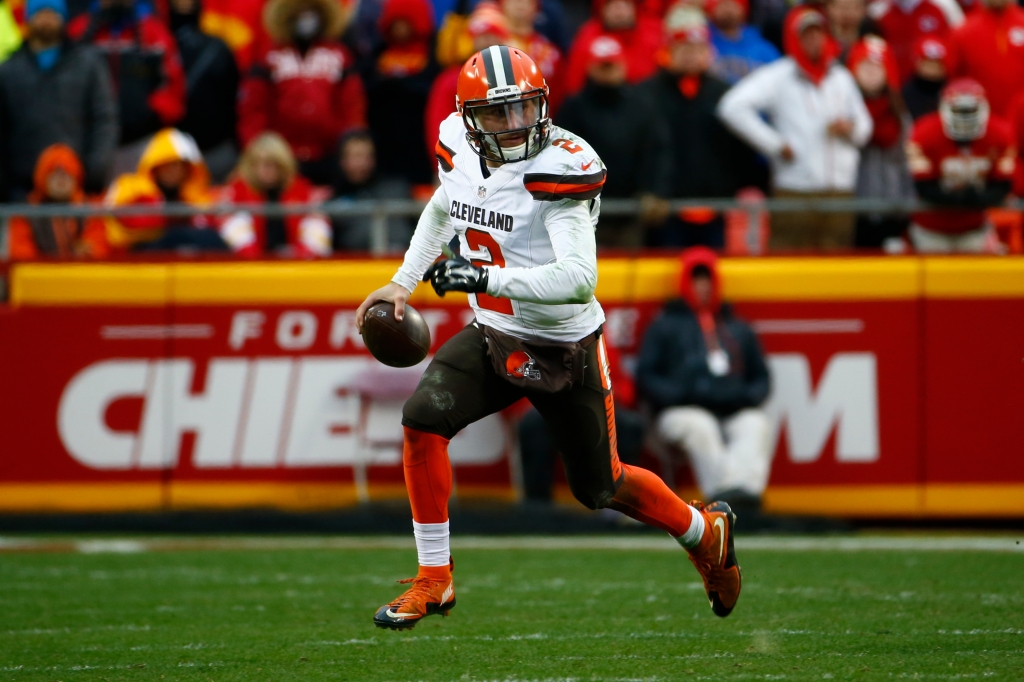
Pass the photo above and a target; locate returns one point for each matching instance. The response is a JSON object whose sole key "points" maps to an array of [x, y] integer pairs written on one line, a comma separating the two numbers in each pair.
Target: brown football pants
{"points": [[460, 386]]}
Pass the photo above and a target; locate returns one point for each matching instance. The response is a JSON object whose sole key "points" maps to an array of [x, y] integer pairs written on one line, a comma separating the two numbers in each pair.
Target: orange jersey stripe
{"points": [[444, 156], [561, 188]]}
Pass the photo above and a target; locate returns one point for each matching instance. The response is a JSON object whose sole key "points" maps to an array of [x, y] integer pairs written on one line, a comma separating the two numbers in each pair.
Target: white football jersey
{"points": [[531, 223]]}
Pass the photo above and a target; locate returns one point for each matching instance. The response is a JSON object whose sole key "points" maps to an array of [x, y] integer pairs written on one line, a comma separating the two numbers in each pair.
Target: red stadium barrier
{"points": [[898, 383]]}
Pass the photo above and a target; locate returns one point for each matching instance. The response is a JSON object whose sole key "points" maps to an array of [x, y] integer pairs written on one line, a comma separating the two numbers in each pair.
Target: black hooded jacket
{"points": [[627, 135], [673, 366], [922, 96], [212, 82], [707, 159]]}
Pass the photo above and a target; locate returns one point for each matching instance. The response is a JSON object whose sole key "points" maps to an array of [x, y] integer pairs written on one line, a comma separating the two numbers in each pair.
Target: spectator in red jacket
{"points": [[882, 173], [267, 173], [640, 36], [904, 22], [304, 86], [931, 69], [989, 48], [487, 26], [146, 69], [963, 160]]}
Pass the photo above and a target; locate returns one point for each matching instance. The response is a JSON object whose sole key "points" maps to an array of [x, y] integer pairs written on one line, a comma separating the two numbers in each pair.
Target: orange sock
{"points": [[645, 497], [428, 475]]}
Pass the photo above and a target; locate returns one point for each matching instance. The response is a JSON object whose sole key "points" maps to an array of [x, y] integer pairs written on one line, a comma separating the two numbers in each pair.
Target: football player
{"points": [[523, 196], [962, 159]]}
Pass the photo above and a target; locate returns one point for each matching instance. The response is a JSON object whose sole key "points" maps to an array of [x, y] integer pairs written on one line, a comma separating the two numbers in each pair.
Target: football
{"points": [[394, 343]]}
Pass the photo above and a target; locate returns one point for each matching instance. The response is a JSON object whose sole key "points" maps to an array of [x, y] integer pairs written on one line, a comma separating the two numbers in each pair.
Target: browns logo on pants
{"points": [[460, 386]]}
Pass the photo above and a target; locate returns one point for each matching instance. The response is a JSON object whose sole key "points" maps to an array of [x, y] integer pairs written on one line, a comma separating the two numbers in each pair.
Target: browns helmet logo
{"points": [[519, 364]]}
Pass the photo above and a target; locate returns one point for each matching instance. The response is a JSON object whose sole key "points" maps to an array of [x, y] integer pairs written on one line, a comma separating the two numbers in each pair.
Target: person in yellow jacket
{"points": [[10, 33], [171, 171]]}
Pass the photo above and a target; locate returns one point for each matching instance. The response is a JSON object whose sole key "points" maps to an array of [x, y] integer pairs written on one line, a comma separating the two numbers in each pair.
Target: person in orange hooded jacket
{"points": [[703, 373], [171, 171], [58, 181], [268, 173]]}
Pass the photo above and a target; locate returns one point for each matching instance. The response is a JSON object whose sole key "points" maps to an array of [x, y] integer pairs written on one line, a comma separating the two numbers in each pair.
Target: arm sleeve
{"points": [[572, 278], [740, 110], [433, 231]]}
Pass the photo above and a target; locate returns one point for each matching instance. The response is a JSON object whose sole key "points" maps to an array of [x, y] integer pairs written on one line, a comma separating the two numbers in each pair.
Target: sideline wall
{"points": [[899, 384]]}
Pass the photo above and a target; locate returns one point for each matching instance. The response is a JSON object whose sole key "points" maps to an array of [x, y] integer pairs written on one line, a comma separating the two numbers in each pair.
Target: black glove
{"points": [[456, 274]]}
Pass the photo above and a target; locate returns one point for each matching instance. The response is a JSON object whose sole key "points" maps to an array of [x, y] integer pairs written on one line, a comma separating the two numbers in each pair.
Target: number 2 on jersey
{"points": [[567, 145], [478, 239]]}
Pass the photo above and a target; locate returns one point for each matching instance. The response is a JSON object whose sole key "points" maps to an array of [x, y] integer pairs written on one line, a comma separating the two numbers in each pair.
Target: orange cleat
{"points": [[716, 560], [429, 595]]}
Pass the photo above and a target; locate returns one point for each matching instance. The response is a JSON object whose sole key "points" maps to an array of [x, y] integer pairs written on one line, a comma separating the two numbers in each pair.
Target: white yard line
{"points": [[855, 543]]}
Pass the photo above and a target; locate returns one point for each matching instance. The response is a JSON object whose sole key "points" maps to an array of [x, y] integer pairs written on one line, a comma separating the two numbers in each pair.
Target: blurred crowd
{"points": [[205, 102]]}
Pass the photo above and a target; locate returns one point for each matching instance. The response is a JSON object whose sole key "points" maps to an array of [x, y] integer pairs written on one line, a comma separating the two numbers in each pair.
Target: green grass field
{"points": [[245, 609]]}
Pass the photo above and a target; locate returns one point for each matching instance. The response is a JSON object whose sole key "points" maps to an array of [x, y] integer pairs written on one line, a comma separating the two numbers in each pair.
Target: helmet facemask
{"points": [[964, 117], [521, 119]]}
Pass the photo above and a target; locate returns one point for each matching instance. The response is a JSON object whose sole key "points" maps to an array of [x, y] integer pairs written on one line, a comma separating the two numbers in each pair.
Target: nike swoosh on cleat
{"points": [[448, 593], [391, 614], [721, 538]]}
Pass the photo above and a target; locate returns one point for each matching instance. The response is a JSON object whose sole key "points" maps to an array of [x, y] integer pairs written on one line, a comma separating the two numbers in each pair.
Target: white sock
{"points": [[432, 543], [691, 538]]}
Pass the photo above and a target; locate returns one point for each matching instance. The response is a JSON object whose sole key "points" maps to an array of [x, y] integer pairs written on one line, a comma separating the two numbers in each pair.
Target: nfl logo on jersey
{"points": [[481, 191]]}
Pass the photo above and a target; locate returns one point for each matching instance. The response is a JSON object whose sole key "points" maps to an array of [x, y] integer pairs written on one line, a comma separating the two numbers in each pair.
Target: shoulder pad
{"points": [[449, 138], [568, 168]]}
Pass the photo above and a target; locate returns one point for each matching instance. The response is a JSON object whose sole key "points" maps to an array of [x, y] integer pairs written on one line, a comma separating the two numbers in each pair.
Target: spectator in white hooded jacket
{"points": [[816, 124]]}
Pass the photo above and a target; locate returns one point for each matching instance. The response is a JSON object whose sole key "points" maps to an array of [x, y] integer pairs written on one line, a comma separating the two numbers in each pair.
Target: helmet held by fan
{"points": [[964, 110]]}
